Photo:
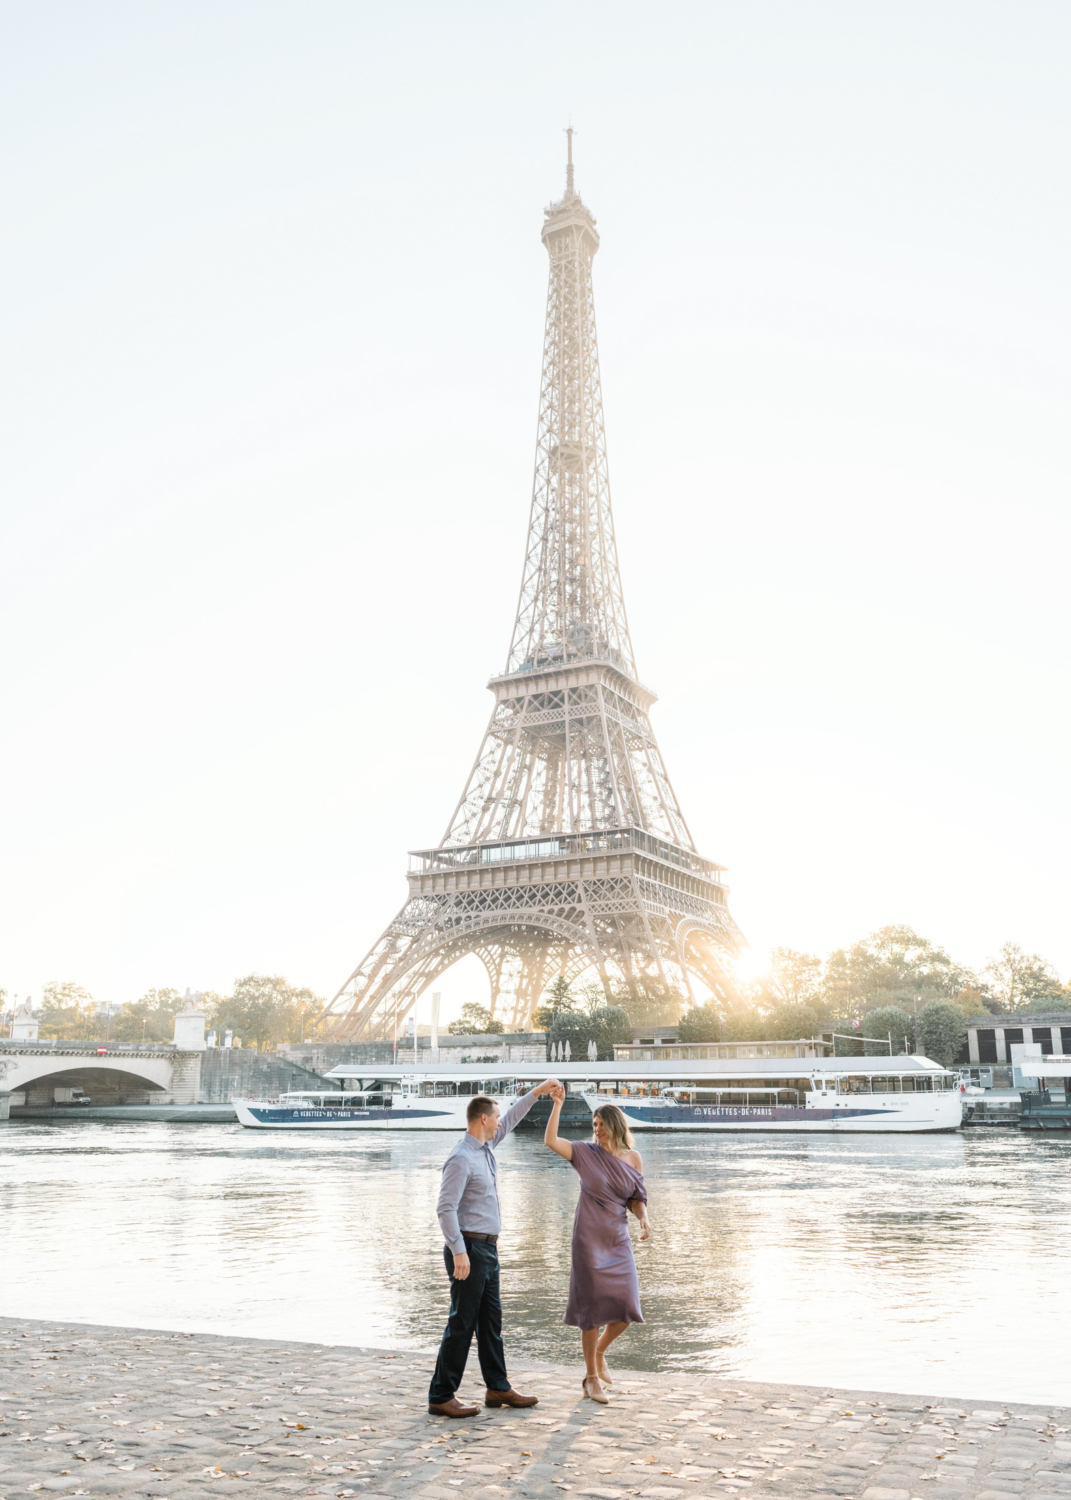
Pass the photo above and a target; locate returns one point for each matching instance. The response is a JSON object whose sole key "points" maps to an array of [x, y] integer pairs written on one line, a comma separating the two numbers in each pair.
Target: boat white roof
{"points": [[682, 1068]]}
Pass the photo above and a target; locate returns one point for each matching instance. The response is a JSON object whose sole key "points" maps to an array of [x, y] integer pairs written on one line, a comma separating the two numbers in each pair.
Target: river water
{"points": [[902, 1263]]}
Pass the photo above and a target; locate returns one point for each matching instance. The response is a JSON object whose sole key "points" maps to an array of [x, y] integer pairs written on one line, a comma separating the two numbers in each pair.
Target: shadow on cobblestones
{"points": [[110, 1411]]}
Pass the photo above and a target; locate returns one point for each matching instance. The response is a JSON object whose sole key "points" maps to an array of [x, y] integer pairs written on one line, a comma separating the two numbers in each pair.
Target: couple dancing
{"points": [[604, 1293]]}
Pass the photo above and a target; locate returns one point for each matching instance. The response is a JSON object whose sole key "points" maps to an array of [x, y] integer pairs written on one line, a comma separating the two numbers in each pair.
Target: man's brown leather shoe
{"points": [[451, 1408], [509, 1398]]}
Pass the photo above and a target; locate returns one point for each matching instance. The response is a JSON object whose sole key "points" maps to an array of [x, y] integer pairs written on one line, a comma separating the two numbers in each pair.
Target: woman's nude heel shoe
{"points": [[606, 1379], [602, 1400]]}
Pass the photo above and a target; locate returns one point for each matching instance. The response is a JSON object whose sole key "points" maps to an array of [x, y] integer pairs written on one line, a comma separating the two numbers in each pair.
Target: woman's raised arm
{"points": [[551, 1137]]}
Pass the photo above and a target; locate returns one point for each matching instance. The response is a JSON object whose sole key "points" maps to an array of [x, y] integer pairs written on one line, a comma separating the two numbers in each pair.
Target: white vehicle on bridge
{"points": [[840, 1094]]}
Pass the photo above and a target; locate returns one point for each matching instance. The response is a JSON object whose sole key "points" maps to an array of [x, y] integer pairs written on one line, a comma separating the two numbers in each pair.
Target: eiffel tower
{"points": [[568, 850]]}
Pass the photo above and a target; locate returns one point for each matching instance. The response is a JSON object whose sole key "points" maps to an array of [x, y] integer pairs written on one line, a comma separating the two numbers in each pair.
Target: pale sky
{"points": [[272, 327]]}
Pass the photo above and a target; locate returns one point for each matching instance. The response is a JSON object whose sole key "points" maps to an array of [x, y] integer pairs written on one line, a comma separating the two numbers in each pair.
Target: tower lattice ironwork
{"points": [[568, 850]]}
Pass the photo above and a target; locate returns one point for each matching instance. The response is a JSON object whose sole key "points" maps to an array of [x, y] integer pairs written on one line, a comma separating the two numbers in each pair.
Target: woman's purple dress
{"points": [[602, 1286]]}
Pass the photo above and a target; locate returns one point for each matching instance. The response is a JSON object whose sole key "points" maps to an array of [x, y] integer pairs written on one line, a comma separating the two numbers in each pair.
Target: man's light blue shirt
{"points": [[468, 1198]]}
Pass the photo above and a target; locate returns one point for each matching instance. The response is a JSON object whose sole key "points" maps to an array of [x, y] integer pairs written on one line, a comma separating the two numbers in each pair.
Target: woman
{"points": [[604, 1293]]}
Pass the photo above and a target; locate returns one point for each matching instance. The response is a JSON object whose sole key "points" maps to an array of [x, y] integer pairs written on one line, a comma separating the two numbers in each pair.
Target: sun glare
{"points": [[752, 964]]}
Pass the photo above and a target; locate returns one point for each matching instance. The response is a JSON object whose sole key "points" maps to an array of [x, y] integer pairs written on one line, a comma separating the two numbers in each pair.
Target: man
{"points": [[471, 1222]]}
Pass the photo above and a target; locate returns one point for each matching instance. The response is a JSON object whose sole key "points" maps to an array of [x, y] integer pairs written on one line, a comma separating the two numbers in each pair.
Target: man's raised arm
{"points": [[516, 1112]]}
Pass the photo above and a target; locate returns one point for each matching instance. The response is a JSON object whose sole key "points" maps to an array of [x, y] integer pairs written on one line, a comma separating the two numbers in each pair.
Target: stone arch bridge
{"points": [[37, 1073]]}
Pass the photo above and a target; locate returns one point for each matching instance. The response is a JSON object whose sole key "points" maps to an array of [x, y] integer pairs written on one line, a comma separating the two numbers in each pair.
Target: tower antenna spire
{"points": [[569, 165]]}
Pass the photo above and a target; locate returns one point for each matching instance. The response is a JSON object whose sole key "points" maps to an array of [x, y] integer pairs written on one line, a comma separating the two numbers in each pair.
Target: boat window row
{"points": [[632, 1089], [908, 1083], [451, 1088], [367, 1099], [687, 1089], [693, 1052]]}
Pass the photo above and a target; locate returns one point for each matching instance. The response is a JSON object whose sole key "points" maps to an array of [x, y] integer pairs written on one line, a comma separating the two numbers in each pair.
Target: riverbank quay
{"points": [[102, 1411], [171, 1114]]}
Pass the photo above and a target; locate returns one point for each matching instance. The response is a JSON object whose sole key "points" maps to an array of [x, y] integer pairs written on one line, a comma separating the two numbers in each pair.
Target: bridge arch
{"points": [[101, 1085], [31, 1072]]}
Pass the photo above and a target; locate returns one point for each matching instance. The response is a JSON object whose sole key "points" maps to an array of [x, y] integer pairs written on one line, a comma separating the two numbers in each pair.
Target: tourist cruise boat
{"points": [[845, 1095]]}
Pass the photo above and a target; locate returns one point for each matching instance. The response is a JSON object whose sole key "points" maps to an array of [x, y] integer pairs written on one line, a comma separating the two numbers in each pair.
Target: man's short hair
{"points": [[481, 1105]]}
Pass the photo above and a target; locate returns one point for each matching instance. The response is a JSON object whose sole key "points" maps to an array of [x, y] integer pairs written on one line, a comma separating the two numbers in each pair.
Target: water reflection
{"points": [[914, 1263]]}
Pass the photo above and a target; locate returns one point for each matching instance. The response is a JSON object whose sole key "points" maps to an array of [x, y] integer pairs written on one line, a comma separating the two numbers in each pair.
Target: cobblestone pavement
{"points": [[112, 1411]]}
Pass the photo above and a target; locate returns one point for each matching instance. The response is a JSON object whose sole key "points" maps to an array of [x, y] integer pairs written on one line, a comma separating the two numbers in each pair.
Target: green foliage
{"points": [[700, 1024], [793, 1021], [613, 1025], [890, 967], [974, 1001], [756, 1016], [557, 996], [265, 1010], [559, 993], [883, 1020], [649, 1001], [67, 1013], [794, 980], [847, 1030], [742, 1021], [784, 1004], [942, 1033], [150, 1019], [475, 1020], [1021, 981], [589, 998], [605, 1025]]}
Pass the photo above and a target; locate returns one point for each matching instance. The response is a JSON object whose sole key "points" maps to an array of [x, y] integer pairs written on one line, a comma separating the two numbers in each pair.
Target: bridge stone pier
{"points": [[45, 1073]]}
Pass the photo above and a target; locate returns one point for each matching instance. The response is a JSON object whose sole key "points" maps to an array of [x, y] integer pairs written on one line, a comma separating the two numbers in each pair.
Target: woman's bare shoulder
{"points": [[634, 1159]]}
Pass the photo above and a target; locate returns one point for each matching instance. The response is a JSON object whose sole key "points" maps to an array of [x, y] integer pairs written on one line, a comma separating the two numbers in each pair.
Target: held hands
{"points": [[547, 1087], [461, 1266], [557, 1092]]}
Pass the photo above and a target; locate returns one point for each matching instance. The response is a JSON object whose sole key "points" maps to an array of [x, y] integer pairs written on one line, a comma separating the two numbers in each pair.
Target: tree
{"points": [[559, 992], [847, 1031], [942, 1033], [68, 1013], [150, 1019], [1021, 980], [605, 1025], [557, 996], [883, 1021], [589, 998], [975, 1002], [613, 1024], [265, 1010], [700, 1024], [793, 1021], [649, 1001], [475, 1020], [890, 967], [793, 978]]}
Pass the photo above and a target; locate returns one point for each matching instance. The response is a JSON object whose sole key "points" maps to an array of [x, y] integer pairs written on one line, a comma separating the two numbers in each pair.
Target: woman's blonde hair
{"points": [[615, 1125]]}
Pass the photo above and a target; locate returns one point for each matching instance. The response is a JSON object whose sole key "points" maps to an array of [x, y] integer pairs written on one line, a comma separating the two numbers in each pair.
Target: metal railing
{"points": [[554, 846]]}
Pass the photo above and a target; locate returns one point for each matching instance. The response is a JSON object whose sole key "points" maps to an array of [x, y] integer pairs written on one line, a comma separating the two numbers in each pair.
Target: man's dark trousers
{"points": [[475, 1307]]}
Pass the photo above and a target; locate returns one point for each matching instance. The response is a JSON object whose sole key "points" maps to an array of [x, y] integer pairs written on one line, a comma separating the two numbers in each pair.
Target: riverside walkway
{"points": [[101, 1411]]}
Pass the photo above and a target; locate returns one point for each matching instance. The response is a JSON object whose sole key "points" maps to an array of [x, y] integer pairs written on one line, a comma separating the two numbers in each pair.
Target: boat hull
{"points": [[426, 1114], [896, 1116], [940, 1112]]}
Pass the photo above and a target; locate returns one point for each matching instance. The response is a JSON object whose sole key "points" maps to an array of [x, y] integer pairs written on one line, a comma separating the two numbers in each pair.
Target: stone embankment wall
{"points": [[321, 1057], [230, 1071]]}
